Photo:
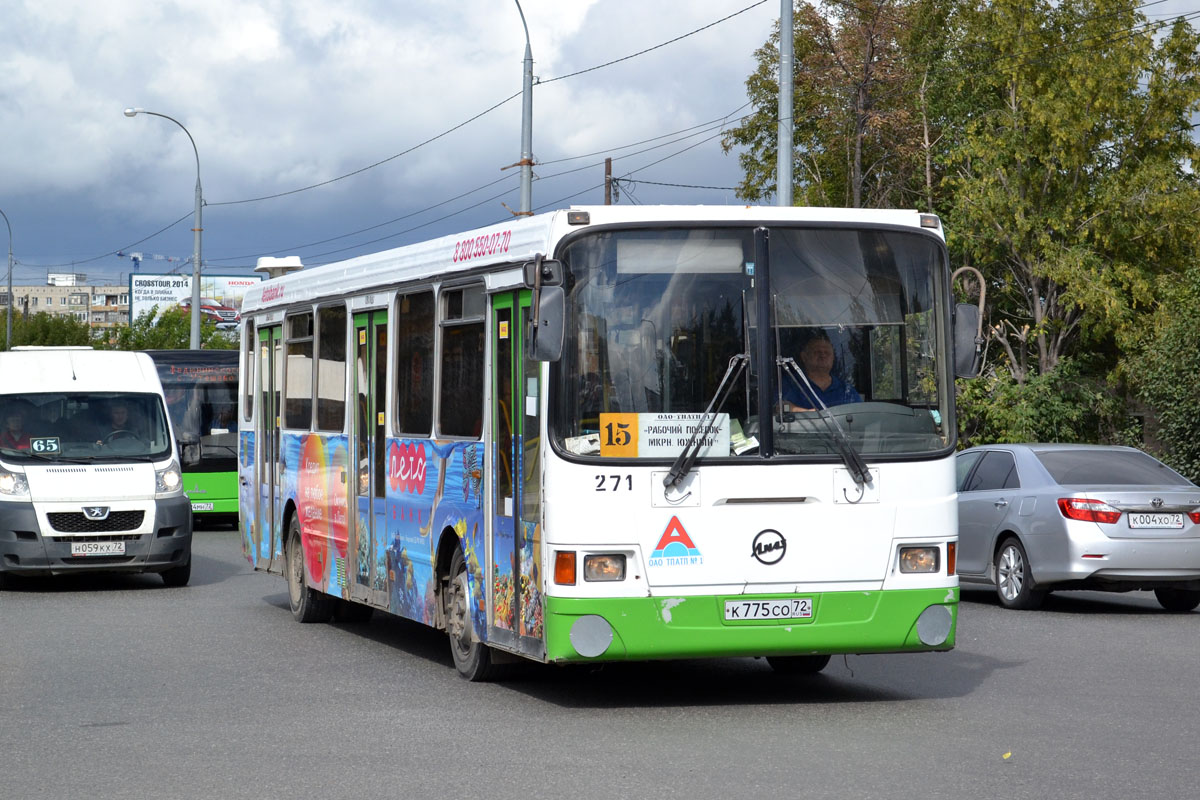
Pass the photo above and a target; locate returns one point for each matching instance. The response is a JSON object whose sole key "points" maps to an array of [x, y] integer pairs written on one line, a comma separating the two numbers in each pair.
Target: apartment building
{"points": [[99, 306]]}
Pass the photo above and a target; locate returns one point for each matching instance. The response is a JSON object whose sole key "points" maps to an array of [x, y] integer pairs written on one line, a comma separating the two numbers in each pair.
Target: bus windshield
{"points": [[201, 393], [83, 426], [658, 315]]}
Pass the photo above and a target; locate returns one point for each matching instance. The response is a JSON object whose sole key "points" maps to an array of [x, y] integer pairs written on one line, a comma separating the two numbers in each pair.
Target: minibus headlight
{"points": [[605, 567], [13, 484], [919, 559], [168, 479]]}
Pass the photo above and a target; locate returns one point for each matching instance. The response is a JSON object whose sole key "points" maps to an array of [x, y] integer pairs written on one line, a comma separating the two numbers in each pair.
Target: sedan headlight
{"points": [[13, 483], [168, 480]]}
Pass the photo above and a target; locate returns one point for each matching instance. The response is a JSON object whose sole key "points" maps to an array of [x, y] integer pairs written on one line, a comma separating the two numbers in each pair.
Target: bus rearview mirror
{"points": [[552, 272], [546, 328], [968, 343]]}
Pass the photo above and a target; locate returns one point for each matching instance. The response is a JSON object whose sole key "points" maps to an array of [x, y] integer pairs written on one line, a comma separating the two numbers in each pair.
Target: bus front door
{"points": [[269, 538], [515, 608], [369, 576]]}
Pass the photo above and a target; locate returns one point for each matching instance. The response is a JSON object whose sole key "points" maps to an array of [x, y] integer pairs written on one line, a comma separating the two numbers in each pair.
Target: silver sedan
{"points": [[1035, 518]]}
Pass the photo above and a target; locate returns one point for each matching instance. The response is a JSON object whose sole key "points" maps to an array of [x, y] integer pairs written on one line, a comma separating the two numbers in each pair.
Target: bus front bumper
{"points": [[664, 627]]}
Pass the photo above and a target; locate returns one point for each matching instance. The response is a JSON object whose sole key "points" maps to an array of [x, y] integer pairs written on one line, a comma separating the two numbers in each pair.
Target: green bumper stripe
{"points": [[691, 627]]}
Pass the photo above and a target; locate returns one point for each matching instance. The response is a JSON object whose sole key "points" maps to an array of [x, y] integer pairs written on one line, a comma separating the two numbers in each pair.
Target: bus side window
{"points": [[460, 402], [299, 375], [331, 368], [414, 364]]}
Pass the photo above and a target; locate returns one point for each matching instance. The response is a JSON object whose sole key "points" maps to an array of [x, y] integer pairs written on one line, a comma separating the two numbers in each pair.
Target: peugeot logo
{"points": [[769, 546], [95, 512], [1157, 502]]}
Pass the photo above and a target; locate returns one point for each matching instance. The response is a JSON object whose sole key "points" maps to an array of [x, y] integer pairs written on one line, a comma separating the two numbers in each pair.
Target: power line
{"points": [[488, 111], [706, 127], [687, 185], [427, 141], [651, 49]]}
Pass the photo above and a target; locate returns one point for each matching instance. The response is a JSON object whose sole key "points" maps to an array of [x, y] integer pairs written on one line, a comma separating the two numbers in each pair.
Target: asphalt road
{"points": [[115, 687]]}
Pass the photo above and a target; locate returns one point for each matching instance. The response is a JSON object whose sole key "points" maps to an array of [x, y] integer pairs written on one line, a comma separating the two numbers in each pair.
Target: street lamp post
{"points": [[8, 329], [195, 337], [783, 196], [526, 123]]}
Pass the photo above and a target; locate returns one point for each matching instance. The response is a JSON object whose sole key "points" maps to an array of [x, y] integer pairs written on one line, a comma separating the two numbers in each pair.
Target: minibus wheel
{"points": [[178, 576]]}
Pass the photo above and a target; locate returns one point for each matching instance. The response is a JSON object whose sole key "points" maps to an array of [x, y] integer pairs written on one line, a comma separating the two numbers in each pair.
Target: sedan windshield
{"points": [[657, 317], [83, 426]]}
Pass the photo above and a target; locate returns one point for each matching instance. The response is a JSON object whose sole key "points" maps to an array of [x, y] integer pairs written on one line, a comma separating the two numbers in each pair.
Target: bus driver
{"points": [[816, 359]]}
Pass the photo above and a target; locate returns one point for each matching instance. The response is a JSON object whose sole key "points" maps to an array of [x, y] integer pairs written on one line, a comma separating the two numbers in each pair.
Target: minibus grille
{"points": [[76, 522]]}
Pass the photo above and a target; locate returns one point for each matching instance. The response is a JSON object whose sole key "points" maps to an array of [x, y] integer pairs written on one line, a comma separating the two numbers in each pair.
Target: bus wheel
{"points": [[308, 604], [798, 665], [472, 658]]}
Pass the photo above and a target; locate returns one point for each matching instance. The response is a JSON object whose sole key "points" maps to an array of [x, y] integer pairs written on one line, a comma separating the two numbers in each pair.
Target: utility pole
{"points": [[783, 178], [526, 161], [608, 181], [8, 339]]}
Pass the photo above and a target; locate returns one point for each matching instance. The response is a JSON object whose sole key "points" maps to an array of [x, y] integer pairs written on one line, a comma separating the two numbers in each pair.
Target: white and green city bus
{"points": [[566, 438]]}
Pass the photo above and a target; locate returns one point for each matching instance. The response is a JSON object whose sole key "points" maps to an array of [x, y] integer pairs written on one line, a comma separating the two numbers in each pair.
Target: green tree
{"points": [[1164, 368], [857, 122], [169, 331], [1071, 178], [45, 330]]}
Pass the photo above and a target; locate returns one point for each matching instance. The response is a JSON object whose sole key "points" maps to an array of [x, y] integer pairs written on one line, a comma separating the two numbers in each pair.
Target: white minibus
{"points": [[89, 471]]}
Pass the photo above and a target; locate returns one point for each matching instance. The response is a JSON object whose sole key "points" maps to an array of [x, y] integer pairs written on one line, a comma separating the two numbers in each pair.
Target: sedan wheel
{"points": [[1014, 581], [1177, 599]]}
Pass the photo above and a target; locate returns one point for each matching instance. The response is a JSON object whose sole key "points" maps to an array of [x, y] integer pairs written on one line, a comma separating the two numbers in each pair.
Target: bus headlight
{"points": [[13, 484], [919, 559], [167, 480], [605, 567]]}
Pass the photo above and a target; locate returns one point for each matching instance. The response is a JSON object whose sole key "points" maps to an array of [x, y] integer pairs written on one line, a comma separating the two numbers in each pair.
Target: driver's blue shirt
{"points": [[836, 393]]}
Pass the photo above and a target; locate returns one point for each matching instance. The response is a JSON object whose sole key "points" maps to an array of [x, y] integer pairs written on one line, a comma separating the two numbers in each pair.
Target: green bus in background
{"points": [[201, 391]]}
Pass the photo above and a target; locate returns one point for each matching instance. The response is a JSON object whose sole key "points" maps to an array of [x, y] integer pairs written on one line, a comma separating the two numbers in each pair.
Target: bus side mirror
{"points": [[968, 343], [551, 273], [546, 327]]}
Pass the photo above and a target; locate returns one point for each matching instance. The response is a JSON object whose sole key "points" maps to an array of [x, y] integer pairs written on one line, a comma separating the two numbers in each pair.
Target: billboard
{"points": [[220, 295]]}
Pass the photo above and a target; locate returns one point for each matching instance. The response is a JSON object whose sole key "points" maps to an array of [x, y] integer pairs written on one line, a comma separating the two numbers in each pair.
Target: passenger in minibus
{"points": [[14, 436]]}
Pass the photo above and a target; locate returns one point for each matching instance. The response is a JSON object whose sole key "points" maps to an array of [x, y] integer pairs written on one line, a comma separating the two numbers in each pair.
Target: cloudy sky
{"points": [[280, 95], [284, 95]]}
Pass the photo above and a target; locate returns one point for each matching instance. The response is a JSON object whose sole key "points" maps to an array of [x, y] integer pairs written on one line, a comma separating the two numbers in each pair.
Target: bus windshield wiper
{"points": [[687, 457], [850, 457]]}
